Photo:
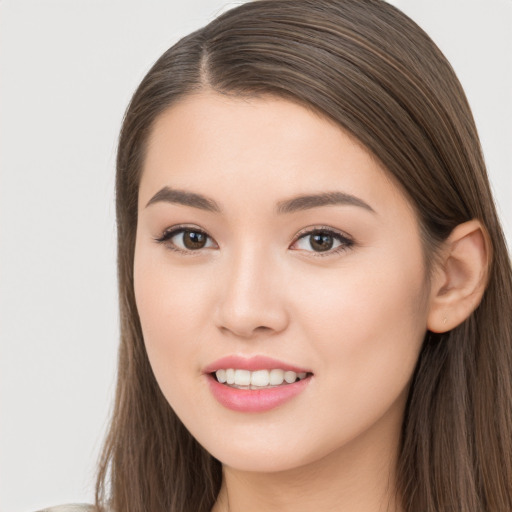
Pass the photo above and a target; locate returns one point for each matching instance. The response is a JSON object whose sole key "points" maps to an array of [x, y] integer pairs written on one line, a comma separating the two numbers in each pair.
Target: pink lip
{"points": [[254, 400], [252, 363]]}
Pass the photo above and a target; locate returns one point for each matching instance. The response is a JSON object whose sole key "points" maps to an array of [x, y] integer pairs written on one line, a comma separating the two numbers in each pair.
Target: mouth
{"points": [[259, 379], [256, 384]]}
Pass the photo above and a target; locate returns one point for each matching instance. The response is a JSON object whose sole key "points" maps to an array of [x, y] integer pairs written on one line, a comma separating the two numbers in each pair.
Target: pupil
{"points": [[194, 240], [321, 242]]}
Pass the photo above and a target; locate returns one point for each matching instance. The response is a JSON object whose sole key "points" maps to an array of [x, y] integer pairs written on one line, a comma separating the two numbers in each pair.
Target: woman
{"points": [[315, 288]]}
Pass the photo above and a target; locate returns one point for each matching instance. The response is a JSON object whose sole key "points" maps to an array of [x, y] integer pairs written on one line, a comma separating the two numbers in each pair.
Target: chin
{"points": [[251, 461], [268, 455]]}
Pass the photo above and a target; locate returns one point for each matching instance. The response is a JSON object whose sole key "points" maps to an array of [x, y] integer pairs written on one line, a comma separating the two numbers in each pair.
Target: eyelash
{"points": [[175, 230], [345, 241]]}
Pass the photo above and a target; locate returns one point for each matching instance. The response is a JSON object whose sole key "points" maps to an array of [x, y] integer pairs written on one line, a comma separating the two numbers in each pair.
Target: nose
{"points": [[252, 295]]}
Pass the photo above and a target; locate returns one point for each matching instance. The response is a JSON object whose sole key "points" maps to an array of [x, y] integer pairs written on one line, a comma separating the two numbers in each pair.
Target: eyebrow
{"points": [[171, 195], [298, 203], [306, 202]]}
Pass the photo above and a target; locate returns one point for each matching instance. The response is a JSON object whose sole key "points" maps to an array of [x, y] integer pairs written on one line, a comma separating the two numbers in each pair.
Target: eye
{"points": [[323, 240], [186, 239]]}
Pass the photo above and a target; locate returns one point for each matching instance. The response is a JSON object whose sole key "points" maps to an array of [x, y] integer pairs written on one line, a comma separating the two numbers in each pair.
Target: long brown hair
{"points": [[372, 70]]}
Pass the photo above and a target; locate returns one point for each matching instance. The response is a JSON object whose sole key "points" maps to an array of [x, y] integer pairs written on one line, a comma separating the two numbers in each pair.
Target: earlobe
{"points": [[461, 276]]}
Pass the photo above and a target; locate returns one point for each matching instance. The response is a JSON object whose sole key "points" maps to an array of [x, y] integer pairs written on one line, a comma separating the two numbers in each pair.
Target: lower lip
{"points": [[255, 400]]}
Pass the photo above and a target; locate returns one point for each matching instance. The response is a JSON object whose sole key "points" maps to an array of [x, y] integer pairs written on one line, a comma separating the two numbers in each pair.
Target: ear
{"points": [[460, 276]]}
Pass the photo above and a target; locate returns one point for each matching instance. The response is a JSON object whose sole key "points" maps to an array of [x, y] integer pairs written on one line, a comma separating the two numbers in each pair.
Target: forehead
{"points": [[264, 148]]}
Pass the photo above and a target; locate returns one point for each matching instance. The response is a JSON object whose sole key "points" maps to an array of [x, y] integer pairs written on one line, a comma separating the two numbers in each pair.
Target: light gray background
{"points": [[68, 68]]}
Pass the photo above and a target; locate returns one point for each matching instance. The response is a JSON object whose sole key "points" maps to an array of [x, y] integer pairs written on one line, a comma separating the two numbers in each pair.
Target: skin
{"points": [[356, 317]]}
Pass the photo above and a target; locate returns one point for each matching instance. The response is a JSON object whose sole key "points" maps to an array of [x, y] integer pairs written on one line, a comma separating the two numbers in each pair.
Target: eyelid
{"points": [[172, 231], [346, 241]]}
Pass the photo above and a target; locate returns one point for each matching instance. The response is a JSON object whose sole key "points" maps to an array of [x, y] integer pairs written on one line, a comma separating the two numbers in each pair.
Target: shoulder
{"points": [[74, 507]]}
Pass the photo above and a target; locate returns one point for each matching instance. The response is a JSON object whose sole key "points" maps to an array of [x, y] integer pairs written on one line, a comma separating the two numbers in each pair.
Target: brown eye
{"points": [[194, 239], [321, 241], [184, 240]]}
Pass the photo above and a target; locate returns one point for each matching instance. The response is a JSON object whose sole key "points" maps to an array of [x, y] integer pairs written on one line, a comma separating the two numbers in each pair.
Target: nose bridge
{"points": [[252, 298]]}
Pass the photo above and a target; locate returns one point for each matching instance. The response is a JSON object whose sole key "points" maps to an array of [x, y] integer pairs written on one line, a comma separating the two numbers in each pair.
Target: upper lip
{"points": [[252, 363]]}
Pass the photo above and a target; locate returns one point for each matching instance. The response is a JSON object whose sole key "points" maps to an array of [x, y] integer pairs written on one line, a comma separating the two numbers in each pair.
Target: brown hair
{"points": [[370, 68]]}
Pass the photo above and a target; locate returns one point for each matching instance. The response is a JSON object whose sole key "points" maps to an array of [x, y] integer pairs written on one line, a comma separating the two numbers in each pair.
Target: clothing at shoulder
{"points": [[74, 507]]}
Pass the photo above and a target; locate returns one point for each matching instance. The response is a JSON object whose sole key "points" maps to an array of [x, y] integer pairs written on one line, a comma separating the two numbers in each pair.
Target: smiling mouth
{"points": [[258, 379]]}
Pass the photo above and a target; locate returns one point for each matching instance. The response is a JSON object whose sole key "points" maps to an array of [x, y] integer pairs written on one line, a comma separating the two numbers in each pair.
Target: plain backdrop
{"points": [[67, 71]]}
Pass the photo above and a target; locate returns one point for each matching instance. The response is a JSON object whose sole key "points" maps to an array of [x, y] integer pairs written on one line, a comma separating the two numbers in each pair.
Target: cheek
{"points": [[170, 298], [366, 327], [173, 318]]}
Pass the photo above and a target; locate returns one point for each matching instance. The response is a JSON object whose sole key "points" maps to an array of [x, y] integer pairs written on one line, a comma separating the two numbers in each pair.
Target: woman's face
{"points": [[265, 231]]}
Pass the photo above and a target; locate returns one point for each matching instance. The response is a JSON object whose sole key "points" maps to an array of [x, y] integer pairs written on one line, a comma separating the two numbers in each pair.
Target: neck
{"points": [[358, 477]]}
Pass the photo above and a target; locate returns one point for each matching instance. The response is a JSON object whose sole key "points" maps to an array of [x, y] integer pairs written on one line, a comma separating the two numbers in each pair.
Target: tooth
{"points": [[242, 377], [260, 378], [276, 377], [230, 376], [301, 375], [290, 377], [221, 376]]}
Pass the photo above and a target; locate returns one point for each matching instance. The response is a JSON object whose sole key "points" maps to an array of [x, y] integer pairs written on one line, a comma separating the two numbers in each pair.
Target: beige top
{"points": [[74, 507]]}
